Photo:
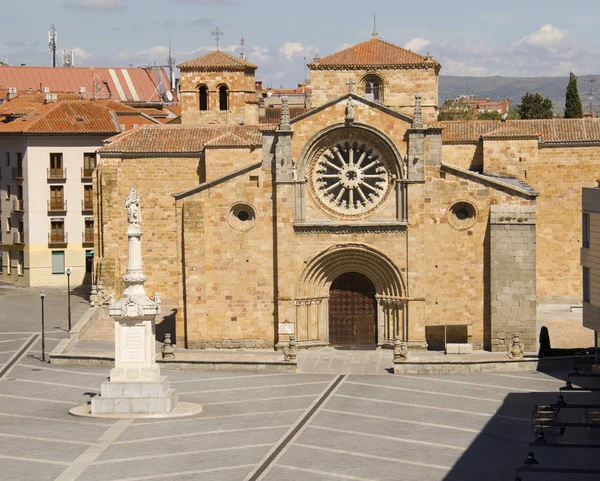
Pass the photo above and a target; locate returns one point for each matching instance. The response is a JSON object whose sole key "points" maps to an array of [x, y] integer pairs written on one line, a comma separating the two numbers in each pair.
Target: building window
{"points": [[223, 94], [19, 165], [20, 262], [8, 224], [585, 230], [7, 159], [1, 261], [57, 232], [88, 234], [586, 285], [7, 192], [88, 202], [58, 262], [57, 198], [56, 165], [203, 97], [374, 88], [89, 164]]}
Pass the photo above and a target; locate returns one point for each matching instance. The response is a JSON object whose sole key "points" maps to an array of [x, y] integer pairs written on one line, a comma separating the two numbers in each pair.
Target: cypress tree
{"points": [[573, 107]]}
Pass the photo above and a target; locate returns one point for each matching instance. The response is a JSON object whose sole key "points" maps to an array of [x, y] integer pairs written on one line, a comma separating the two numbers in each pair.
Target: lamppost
{"points": [[68, 271], [42, 295]]}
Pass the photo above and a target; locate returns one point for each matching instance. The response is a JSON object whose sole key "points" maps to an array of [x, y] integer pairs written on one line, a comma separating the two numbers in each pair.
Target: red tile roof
{"points": [[132, 84], [215, 61], [273, 114], [66, 117], [549, 130], [373, 53], [510, 133], [184, 138]]}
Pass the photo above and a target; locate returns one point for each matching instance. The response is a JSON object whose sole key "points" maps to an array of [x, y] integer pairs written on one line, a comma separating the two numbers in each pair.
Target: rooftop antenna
{"points": [[52, 43], [242, 49], [592, 80], [217, 33], [171, 63], [375, 33], [68, 59]]}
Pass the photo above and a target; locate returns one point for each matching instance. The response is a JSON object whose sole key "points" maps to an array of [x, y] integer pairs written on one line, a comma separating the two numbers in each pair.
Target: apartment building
{"points": [[590, 259], [47, 158]]}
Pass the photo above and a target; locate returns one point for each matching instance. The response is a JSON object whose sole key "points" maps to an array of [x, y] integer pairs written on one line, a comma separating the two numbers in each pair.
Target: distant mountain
{"points": [[514, 88]]}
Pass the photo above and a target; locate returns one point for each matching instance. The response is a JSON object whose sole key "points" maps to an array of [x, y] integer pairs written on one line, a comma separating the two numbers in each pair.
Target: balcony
{"points": [[17, 174], [87, 206], [58, 239], [57, 206], [86, 174], [57, 174], [18, 205], [87, 238], [18, 237]]}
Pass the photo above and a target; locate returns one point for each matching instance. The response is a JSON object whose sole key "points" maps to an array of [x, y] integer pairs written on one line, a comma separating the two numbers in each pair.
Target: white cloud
{"points": [[295, 49], [258, 54], [80, 54], [417, 44], [95, 4], [547, 36], [154, 51]]}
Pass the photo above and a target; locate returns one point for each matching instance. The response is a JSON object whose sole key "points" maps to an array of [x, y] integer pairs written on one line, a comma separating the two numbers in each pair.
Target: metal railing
{"points": [[18, 205], [87, 173], [56, 239], [87, 205], [57, 206], [17, 174], [57, 174], [87, 237]]}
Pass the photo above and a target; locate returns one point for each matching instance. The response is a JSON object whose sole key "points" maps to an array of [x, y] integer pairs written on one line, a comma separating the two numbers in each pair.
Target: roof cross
{"points": [[217, 33], [350, 83]]}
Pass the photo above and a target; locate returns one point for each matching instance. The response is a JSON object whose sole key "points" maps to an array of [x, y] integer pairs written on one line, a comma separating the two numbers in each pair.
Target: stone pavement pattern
{"points": [[349, 427]]}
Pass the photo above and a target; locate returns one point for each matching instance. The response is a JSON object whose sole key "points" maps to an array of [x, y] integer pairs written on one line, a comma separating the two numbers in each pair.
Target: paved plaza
{"points": [[312, 427]]}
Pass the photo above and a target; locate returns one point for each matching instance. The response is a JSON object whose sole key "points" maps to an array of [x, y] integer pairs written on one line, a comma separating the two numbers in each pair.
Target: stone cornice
{"points": [[332, 227]]}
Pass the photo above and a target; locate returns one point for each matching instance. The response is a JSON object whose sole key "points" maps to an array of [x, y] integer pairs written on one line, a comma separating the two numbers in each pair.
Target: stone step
{"points": [[131, 389], [136, 405]]}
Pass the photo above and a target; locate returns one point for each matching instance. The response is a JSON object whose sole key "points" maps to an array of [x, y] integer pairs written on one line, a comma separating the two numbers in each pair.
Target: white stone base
{"points": [[182, 409]]}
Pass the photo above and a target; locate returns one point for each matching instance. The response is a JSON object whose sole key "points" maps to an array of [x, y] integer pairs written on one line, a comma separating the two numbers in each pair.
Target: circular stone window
{"points": [[241, 217], [462, 215], [350, 178]]}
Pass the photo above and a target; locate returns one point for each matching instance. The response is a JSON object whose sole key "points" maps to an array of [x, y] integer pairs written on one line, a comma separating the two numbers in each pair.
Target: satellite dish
{"points": [[169, 96]]}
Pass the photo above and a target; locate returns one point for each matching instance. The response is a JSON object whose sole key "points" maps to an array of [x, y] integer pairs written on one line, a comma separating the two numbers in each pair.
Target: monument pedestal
{"points": [[135, 384]]}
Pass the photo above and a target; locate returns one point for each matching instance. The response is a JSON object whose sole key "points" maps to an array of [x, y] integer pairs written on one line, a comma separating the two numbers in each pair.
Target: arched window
{"points": [[223, 94], [203, 97], [374, 88]]}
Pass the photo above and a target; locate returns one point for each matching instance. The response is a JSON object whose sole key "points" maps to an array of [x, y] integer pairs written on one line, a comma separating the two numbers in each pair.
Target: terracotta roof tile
{"points": [[217, 60], [67, 117], [372, 53], [549, 130], [273, 114], [509, 133], [184, 138]]}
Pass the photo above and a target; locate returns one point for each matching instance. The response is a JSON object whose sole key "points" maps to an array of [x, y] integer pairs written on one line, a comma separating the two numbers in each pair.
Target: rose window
{"points": [[350, 179]]}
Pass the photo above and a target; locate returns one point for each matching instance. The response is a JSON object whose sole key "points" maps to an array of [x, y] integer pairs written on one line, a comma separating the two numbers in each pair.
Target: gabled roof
{"points": [[374, 53], [551, 131], [183, 138], [273, 114], [133, 84], [215, 61], [66, 117]]}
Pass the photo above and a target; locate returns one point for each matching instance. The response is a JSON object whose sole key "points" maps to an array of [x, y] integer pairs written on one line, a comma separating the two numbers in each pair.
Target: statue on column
{"points": [[132, 203]]}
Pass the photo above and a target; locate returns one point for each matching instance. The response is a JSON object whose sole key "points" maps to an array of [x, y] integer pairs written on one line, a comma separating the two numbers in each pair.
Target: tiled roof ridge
{"points": [[211, 60], [509, 131], [356, 56]]}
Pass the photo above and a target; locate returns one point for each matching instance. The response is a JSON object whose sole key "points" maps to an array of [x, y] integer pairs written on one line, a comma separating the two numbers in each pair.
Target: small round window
{"points": [[241, 217], [462, 215]]}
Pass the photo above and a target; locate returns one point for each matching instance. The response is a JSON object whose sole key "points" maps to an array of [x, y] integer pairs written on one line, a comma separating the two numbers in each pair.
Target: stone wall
{"points": [[240, 85], [400, 87], [512, 281]]}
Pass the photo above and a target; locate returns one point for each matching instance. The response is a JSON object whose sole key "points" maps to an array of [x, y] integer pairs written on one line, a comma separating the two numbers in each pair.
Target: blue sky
{"points": [[509, 38]]}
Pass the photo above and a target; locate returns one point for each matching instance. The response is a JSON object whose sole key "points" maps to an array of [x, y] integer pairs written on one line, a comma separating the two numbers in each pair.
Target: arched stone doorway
{"points": [[384, 288], [352, 311]]}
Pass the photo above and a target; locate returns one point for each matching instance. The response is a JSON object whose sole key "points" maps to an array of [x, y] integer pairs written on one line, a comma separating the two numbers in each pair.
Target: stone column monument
{"points": [[136, 387]]}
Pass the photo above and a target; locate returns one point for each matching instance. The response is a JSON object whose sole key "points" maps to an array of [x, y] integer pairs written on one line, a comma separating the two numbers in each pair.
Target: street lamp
{"points": [[68, 271], [42, 295]]}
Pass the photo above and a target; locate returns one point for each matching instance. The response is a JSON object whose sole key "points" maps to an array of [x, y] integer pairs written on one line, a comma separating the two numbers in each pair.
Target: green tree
{"points": [[573, 107], [534, 106], [456, 110], [490, 115]]}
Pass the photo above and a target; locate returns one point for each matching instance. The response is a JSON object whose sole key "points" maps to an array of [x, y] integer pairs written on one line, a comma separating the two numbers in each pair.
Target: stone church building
{"points": [[351, 222]]}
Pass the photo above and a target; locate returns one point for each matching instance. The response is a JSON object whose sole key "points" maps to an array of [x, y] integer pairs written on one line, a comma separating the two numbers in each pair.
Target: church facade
{"points": [[355, 222]]}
